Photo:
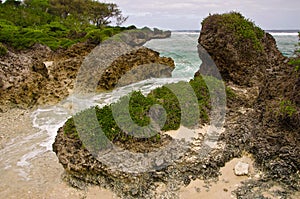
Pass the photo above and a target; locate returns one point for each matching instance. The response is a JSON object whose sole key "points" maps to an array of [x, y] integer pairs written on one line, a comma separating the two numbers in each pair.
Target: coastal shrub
{"points": [[243, 29], [108, 32], [295, 62], [95, 36], [7, 32], [139, 107], [3, 50], [287, 113], [57, 25], [287, 107], [132, 27], [53, 35]]}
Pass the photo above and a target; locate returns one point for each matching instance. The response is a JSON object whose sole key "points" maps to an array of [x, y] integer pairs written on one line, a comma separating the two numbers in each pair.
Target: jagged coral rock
{"points": [[241, 51], [141, 58]]}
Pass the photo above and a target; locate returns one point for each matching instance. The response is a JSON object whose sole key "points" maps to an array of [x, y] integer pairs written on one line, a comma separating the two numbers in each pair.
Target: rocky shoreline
{"points": [[248, 66], [40, 76], [261, 88], [261, 129]]}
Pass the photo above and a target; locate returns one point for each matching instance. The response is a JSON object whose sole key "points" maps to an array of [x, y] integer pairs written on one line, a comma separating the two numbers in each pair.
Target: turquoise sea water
{"points": [[286, 42], [182, 47]]}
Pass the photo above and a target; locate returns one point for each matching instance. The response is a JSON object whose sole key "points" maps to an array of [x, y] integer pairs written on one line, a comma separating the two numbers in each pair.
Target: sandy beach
{"points": [[33, 177], [39, 176]]}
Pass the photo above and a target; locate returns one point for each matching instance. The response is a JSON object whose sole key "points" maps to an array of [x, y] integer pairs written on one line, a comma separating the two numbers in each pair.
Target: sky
{"points": [[188, 14]]}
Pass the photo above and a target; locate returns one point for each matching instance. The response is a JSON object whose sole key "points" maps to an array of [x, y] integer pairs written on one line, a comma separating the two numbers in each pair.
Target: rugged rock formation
{"points": [[257, 77], [26, 81], [249, 60], [140, 59], [242, 52], [139, 38]]}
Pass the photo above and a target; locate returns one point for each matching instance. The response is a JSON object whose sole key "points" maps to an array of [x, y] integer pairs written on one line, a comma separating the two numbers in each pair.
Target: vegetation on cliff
{"points": [[57, 23], [288, 112], [244, 29], [241, 50]]}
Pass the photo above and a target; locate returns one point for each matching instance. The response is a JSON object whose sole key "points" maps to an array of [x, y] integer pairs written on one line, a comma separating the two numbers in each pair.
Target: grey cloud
{"points": [[178, 14]]}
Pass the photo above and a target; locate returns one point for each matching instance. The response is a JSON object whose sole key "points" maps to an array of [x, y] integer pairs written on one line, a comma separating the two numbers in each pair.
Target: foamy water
{"points": [[21, 151], [50, 119], [284, 33]]}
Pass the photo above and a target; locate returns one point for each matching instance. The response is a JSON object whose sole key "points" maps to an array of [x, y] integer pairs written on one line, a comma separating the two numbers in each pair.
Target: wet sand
{"points": [[36, 177], [223, 188]]}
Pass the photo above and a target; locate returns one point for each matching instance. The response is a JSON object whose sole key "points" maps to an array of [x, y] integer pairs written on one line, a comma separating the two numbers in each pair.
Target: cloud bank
{"points": [[188, 14]]}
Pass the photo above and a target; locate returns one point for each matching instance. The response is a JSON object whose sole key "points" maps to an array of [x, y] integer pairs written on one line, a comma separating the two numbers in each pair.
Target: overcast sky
{"points": [[188, 14]]}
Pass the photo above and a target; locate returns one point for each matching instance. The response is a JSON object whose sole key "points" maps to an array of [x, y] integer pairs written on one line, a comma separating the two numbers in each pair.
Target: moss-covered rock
{"points": [[241, 50], [82, 165]]}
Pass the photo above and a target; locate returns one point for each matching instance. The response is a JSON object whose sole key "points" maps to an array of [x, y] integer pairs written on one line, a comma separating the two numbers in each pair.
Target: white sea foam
{"points": [[284, 33], [186, 33], [50, 119], [271, 32]]}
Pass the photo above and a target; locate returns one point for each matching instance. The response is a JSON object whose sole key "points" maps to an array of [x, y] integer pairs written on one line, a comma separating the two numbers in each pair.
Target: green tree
{"points": [[102, 13], [61, 8], [38, 5], [87, 11]]}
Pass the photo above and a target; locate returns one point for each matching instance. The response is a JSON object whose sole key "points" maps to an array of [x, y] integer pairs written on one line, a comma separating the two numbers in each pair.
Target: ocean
{"points": [[181, 46], [286, 41]]}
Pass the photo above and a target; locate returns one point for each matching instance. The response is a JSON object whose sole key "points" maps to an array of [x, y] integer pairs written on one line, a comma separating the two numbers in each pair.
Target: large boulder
{"points": [[138, 60], [241, 51]]}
